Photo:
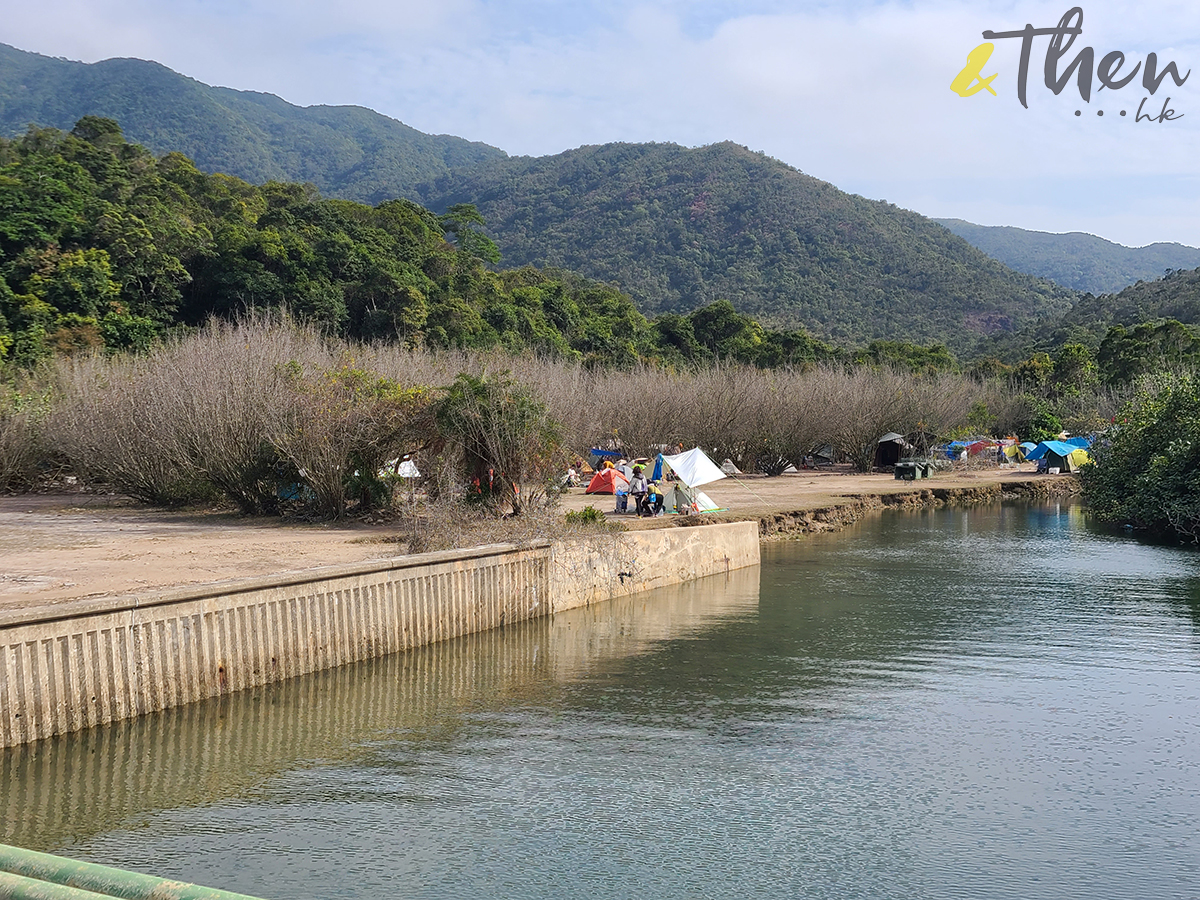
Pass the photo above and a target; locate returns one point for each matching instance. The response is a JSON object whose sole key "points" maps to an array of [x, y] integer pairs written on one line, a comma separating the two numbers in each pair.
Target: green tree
{"points": [[503, 434], [1147, 473], [466, 224], [1075, 371], [1035, 371], [79, 281], [1126, 353]]}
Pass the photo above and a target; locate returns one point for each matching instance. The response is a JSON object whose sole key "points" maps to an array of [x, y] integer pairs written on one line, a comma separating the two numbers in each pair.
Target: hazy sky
{"points": [[856, 93]]}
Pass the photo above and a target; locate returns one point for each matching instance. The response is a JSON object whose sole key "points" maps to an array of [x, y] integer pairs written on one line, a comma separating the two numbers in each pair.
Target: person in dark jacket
{"points": [[637, 489]]}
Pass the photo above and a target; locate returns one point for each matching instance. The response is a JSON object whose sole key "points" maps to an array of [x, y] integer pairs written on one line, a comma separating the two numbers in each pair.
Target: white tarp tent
{"points": [[405, 469], [693, 468]]}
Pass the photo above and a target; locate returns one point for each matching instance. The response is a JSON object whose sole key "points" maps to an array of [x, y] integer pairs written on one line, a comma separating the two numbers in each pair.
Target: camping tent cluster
{"points": [[685, 472], [1065, 455], [681, 475]]}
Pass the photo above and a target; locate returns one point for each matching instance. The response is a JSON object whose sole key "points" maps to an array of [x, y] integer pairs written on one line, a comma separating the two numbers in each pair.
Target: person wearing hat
{"points": [[637, 489]]}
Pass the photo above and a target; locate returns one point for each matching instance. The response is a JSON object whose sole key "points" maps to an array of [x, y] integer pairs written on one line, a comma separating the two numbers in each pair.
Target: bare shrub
{"points": [[242, 408], [1012, 408], [721, 417], [793, 419], [196, 414], [22, 413], [938, 405], [865, 403], [567, 389], [451, 526], [234, 391], [112, 426]]}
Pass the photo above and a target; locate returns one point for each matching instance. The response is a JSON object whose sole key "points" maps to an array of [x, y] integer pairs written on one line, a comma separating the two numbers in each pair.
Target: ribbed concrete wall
{"points": [[204, 753], [68, 666], [82, 663]]}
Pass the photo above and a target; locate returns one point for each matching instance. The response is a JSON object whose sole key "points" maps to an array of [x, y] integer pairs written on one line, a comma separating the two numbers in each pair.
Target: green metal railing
{"points": [[29, 875]]}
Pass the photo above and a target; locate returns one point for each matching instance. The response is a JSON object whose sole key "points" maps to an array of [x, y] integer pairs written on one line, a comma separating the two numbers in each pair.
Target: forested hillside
{"points": [[678, 228], [103, 245], [346, 151], [1173, 298], [1080, 261]]}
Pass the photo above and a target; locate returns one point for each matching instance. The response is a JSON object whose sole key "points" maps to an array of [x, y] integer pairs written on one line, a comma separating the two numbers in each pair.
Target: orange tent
{"points": [[607, 481]]}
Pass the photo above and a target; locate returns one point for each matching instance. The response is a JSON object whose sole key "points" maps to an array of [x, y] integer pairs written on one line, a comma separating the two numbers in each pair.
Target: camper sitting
{"points": [[654, 502]]}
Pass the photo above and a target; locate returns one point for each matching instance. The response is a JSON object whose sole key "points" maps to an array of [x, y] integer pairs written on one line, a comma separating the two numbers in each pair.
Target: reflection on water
{"points": [[58, 792], [990, 702]]}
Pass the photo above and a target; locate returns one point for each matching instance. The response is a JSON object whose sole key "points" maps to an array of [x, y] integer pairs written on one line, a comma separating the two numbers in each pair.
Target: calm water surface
{"points": [[988, 703]]}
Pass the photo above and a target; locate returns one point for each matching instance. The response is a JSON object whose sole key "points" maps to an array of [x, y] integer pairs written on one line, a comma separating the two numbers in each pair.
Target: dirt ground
{"points": [[55, 547]]}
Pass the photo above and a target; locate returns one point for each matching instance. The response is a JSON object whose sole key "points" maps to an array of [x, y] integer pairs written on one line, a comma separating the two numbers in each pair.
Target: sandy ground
{"points": [[61, 546], [55, 547]]}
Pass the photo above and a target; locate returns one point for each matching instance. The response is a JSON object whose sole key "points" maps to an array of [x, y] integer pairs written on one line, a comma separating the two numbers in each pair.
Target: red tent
{"points": [[606, 481]]}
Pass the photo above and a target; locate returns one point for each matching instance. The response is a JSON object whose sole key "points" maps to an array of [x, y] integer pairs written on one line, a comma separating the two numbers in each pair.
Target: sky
{"points": [[857, 93]]}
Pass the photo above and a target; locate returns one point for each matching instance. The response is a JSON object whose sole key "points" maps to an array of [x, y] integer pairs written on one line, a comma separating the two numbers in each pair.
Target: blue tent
{"points": [[1059, 454], [1079, 442], [596, 456], [1060, 447], [954, 449], [1026, 446]]}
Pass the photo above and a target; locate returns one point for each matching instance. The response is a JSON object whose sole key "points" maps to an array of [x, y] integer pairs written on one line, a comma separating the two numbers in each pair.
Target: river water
{"points": [[988, 703]]}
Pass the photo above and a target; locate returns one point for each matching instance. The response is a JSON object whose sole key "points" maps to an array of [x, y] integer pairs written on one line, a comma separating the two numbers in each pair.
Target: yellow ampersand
{"points": [[970, 80]]}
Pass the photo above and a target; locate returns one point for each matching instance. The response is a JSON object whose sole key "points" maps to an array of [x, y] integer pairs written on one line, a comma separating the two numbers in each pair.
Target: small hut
{"points": [[889, 449]]}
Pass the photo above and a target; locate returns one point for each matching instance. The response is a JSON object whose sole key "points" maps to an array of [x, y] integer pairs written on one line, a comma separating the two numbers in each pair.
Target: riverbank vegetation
{"points": [[187, 337], [1147, 470], [270, 414]]}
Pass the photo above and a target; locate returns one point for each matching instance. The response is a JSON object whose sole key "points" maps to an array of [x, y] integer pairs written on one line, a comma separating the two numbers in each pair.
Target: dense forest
{"points": [[703, 238], [346, 151], [1147, 326], [678, 228], [1080, 261], [103, 245]]}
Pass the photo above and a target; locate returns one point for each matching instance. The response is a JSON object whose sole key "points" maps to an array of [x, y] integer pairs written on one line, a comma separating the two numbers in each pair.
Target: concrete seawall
{"points": [[96, 779], [71, 665]]}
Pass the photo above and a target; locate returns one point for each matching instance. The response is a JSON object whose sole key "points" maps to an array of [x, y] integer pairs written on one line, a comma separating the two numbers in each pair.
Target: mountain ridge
{"points": [[346, 151], [677, 228], [680, 227], [1075, 259]]}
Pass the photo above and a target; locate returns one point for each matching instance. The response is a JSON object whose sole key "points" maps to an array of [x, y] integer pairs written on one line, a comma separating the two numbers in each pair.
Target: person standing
{"points": [[637, 489]]}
